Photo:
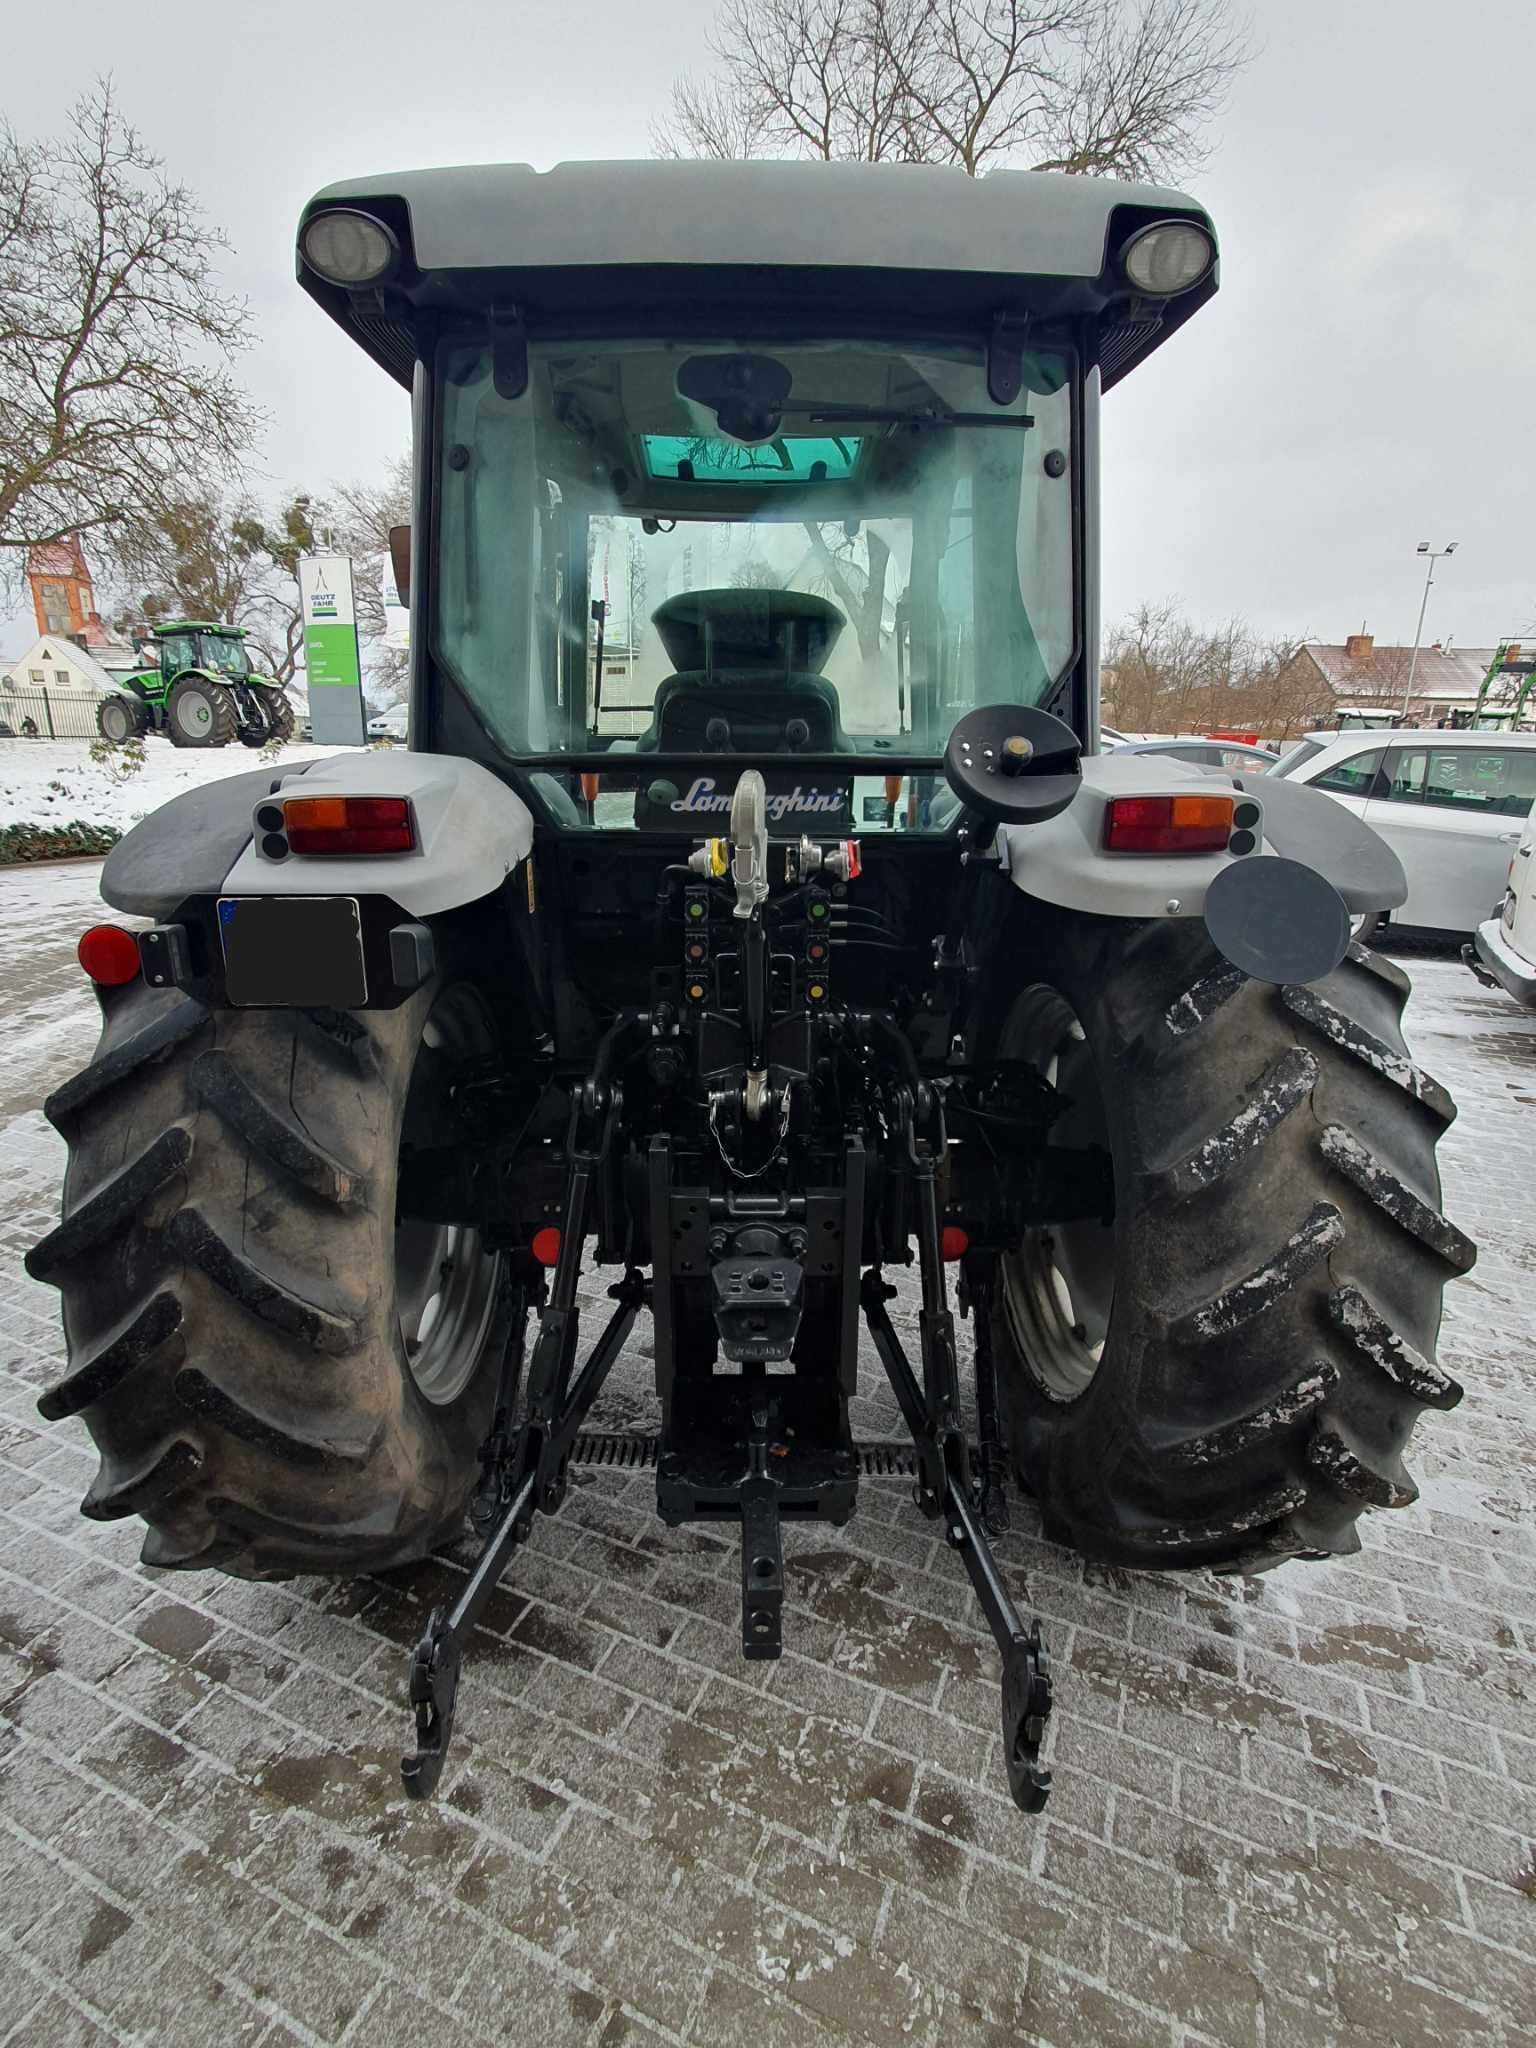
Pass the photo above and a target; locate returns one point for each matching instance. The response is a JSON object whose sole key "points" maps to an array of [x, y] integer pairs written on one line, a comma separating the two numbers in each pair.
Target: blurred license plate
{"points": [[298, 952]]}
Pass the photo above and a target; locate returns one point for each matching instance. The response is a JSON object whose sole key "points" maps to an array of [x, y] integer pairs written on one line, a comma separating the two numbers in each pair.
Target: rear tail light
{"points": [[1168, 824], [349, 824], [109, 955]]}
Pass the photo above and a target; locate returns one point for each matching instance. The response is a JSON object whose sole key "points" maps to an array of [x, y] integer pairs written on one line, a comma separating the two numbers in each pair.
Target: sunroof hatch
{"points": [[802, 459]]}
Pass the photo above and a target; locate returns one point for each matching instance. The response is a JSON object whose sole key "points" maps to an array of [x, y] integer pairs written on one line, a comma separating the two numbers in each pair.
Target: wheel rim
{"points": [[446, 1279], [115, 722], [194, 715], [1058, 1283]]}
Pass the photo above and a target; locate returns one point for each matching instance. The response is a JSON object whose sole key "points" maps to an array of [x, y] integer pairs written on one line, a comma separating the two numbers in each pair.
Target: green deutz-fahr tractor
{"points": [[204, 693], [752, 914]]}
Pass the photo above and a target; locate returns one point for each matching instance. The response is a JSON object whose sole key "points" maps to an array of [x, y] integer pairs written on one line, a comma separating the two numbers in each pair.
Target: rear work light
{"points": [[1168, 824], [109, 955], [349, 824]]}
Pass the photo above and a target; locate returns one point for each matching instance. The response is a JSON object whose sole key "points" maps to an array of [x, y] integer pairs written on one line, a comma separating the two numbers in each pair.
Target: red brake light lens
{"points": [[349, 824], [109, 955], [1167, 824]]}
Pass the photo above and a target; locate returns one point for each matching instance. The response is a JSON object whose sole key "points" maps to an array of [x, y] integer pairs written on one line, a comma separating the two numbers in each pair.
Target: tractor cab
{"points": [[190, 644], [785, 464]]}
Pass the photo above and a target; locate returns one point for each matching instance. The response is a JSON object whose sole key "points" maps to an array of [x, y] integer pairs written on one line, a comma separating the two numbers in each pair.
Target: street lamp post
{"points": [[1434, 555]]}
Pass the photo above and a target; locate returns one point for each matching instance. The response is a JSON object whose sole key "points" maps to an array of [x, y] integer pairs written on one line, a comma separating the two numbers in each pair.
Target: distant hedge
{"points": [[21, 843]]}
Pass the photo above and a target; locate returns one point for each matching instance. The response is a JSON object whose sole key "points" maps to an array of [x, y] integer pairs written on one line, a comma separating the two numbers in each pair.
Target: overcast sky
{"points": [[1365, 379]]}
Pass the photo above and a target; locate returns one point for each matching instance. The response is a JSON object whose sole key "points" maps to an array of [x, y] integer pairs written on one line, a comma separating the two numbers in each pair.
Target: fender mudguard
{"points": [[1063, 861], [471, 832]]}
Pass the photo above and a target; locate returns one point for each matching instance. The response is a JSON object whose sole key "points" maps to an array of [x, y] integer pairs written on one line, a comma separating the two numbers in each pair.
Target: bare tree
{"points": [[1165, 674], [226, 561], [116, 396], [1104, 88], [859, 586]]}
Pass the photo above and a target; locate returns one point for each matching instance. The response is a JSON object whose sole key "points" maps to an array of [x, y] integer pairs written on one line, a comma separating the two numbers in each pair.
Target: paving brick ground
{"points": [[1293, 1810]]}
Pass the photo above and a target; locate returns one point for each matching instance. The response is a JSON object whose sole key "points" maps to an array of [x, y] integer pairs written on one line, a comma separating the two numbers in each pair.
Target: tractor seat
{"points": [[760, 714], [747, 675]]}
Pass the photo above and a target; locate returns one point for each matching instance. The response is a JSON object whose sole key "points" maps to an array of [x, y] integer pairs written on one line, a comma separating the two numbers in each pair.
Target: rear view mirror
{"points": [[400, 560]]}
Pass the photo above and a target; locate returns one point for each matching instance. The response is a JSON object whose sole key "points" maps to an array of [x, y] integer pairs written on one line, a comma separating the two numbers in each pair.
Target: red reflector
{"points": [[349, 824], [954, 1242], [109, 955], [1167, 824], [546, 1245]]}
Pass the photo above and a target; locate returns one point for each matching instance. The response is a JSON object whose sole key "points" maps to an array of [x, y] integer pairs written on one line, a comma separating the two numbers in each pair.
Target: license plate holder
{"points": [[293, 952]]}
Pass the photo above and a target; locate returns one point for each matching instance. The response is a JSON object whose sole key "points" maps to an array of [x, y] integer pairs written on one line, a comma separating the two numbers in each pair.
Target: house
{"points": [[53, 690], [66, 669], [76, 651], [1357, 673]]}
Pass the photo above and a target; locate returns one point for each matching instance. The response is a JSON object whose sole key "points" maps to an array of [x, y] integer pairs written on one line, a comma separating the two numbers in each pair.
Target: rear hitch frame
{"points": [[763, 1476]]}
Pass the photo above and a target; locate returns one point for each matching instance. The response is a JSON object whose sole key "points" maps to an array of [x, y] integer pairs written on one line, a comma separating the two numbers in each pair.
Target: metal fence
{"points": [[46, 715]]}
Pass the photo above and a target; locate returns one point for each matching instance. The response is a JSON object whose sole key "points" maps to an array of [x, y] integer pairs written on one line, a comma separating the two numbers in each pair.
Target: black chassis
{"points": [[619, 1115]]}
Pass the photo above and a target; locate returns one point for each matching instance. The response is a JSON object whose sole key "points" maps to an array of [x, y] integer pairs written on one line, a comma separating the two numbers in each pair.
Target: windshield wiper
{"points": [[920, 418]]}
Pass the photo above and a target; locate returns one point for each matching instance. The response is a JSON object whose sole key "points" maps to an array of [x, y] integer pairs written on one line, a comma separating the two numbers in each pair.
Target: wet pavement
{"points": [[1291, 1810]]}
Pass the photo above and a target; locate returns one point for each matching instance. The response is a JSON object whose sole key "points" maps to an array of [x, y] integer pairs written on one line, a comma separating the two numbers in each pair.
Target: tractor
{"points": [[202, 692], [751, 917]]}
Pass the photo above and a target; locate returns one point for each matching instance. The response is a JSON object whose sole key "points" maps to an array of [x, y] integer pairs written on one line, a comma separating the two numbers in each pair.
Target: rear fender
{"points": [[471, 832], [1063, 861]]}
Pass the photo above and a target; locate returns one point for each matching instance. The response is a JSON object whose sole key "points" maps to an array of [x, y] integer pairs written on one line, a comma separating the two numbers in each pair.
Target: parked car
{"points": [[1235, 756], [390, 725], [1449, 804], [1503, 949]]}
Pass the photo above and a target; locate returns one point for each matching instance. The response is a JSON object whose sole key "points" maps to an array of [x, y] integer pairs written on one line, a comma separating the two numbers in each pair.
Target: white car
{"points": [[1450, 805], [390, 725], [1503, 950]]}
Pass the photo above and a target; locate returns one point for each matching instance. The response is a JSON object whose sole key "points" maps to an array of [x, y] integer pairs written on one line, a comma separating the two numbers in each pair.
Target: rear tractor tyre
{"points": [[1228, 1373], [200, 713], [280, 1374]]}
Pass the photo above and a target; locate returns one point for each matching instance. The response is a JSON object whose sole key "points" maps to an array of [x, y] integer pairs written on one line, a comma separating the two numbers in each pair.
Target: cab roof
{"points": [[198, 626], [925, 245]]}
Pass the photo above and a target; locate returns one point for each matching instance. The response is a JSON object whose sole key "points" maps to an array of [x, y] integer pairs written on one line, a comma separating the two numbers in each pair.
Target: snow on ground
{"points": [[55, 782]]}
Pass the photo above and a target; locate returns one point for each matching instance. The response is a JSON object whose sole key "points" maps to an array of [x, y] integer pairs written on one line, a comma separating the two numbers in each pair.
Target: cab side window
{"points": [[1357, 775], [178, 651], [1497, 782]]}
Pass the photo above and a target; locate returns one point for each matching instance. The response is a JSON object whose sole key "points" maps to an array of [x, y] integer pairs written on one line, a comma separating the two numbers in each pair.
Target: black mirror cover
{"points": [[1012, 764]]}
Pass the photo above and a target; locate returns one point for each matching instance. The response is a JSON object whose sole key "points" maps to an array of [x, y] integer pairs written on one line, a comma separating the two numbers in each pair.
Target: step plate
{"points": [[636, 1453]]}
